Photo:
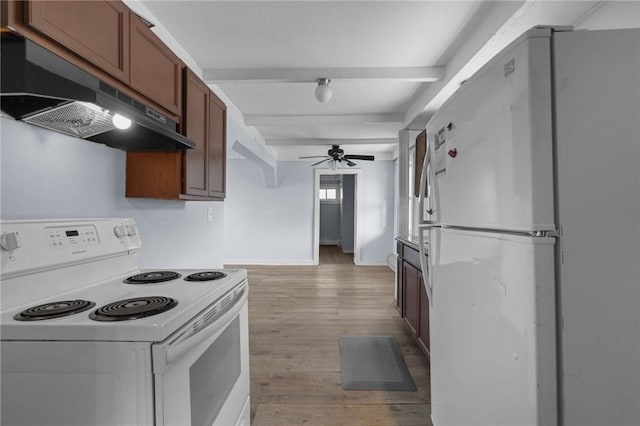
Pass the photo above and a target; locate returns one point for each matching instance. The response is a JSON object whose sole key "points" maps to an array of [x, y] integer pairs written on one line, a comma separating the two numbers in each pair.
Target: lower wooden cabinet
{"points": [[410, 293], [423, 317], [194, 174], [413, 303]]}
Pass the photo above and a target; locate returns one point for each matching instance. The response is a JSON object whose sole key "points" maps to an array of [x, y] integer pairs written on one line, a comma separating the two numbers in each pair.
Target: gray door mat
{"points": [[373, 363]]}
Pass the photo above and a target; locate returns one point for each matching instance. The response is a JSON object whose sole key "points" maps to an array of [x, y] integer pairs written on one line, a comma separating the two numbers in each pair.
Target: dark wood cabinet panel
{"points": [[412, 256], [412, 302], [423, 320], [154, 175], [156, 71], [421, 150], [196, 125], [410, 295], [399, 286], [195, 174], [217, 146], [98, 31]]}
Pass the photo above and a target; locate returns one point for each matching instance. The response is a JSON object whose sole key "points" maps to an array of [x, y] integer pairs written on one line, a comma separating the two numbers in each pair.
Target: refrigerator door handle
{"points": [[424, 186], [424, 264]]}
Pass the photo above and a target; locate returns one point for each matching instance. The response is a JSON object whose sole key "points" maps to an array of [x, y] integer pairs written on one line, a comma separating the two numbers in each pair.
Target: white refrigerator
{"points": [[531, 218]]}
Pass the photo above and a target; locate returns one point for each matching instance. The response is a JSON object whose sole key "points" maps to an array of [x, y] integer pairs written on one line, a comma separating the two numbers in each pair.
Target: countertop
{"points": [[411, 241]]}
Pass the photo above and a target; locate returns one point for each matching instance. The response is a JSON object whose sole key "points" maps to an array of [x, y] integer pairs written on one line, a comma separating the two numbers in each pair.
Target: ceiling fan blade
{"points": [[350, 163], [320, 162], [314, 156], [359, 157]]}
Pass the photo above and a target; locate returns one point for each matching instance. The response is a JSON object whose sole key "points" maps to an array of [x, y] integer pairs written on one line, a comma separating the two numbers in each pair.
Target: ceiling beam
{"points": [[289, 120], [311, 141], [310, 75], [503, 22]]}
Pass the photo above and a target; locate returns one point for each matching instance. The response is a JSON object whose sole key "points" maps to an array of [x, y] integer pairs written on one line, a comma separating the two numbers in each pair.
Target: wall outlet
{"points": [[210, 214]]}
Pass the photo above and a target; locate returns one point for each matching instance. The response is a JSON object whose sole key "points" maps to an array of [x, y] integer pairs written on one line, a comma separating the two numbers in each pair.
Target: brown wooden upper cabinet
{"points": [[106, 39], [196, 124], [98, 31], [156, 71], [217, 146], [421, 150], [205, 124], [195, 174]]}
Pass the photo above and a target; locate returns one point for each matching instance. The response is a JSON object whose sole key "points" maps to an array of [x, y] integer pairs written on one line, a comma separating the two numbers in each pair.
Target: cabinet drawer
{"points": [[399, 247], [412, 256]]}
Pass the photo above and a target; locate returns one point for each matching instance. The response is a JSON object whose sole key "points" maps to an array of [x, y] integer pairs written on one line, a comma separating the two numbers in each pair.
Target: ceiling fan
{"points": [[337, 155]]}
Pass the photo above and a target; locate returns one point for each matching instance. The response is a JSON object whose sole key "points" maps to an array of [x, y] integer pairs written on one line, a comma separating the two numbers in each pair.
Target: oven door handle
{"points": [[207, 324]]}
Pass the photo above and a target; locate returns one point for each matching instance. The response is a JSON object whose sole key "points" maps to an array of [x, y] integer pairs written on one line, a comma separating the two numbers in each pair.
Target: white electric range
{"points": [[88, 338]]}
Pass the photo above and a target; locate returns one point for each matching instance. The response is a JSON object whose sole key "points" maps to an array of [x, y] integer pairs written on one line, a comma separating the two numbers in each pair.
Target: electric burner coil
{"points": [[135, 308], [52, 310], [152, 277], [205, 276]]}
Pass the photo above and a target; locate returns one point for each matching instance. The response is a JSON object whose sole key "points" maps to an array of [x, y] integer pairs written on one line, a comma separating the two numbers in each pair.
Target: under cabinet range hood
{"points": [[42, 89]]}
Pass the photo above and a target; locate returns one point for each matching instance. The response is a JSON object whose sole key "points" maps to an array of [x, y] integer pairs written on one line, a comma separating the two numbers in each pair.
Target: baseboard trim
{"points": [[228, 263], [374, 263]]}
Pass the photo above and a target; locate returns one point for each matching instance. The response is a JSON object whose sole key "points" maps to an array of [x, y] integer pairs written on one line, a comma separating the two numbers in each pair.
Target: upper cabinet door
{"points": [[196, 122], [217, 146], [98, 31], [156, 71]]}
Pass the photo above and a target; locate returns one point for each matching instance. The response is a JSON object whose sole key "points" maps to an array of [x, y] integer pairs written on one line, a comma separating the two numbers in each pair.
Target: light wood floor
{"points": [[296, 317], [330, 255]]}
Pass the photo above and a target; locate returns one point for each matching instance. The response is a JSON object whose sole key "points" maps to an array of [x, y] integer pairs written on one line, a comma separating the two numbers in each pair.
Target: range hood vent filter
{"points": [[79, 119]]}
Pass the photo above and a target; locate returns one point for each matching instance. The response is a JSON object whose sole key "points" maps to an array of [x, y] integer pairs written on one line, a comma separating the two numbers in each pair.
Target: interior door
{"points": [[492, 329]]}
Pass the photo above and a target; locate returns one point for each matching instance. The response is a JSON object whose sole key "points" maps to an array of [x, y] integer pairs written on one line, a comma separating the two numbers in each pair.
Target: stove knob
{"points": [[132, 230], [9, 241], [120, 231]]}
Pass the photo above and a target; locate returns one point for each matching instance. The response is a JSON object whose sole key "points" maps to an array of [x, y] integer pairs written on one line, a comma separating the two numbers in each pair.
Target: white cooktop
{"points": [[192, 298], [45, 261]]}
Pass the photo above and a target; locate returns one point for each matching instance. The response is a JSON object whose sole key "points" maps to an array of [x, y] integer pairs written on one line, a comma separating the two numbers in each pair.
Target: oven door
{"points": [[201, 373]]}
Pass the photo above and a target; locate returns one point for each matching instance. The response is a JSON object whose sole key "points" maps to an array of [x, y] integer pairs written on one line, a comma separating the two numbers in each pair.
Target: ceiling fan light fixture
{"points": [[323, 92]]}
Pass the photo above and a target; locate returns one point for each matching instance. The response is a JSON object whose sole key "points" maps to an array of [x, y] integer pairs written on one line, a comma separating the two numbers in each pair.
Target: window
{"points": [[328, 194]]}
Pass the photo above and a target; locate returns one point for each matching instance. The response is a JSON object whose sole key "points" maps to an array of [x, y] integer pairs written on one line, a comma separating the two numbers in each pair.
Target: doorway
{"points": [[336, 195]]}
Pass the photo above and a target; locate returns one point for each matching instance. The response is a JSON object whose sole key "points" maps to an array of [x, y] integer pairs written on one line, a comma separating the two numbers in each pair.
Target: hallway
{"points": [[332, 255], [296, 317]]}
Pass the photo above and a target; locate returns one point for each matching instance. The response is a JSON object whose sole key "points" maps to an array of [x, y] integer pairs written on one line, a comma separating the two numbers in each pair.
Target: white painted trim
{"points": [[357, 258], [376, 263], [311, 75], [330, 243], [231, 263], [328, 142], [297, 119]]}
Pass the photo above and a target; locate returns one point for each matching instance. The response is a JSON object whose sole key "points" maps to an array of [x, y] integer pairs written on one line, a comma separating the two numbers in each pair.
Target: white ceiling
{"points": [[389, 61]]}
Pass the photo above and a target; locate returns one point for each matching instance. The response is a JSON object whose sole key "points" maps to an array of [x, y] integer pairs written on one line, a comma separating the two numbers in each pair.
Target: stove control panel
{"points": [[72, 237]]}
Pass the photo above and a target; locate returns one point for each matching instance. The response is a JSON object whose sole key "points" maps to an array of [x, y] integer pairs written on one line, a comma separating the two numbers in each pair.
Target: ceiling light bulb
{"points": [[323, 92], [121, 122]]}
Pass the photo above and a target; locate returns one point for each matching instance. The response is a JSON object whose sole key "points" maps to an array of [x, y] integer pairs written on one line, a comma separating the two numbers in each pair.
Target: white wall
{"points": [[275, 225], [613, 14], [268, 225], [49, 175]]}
